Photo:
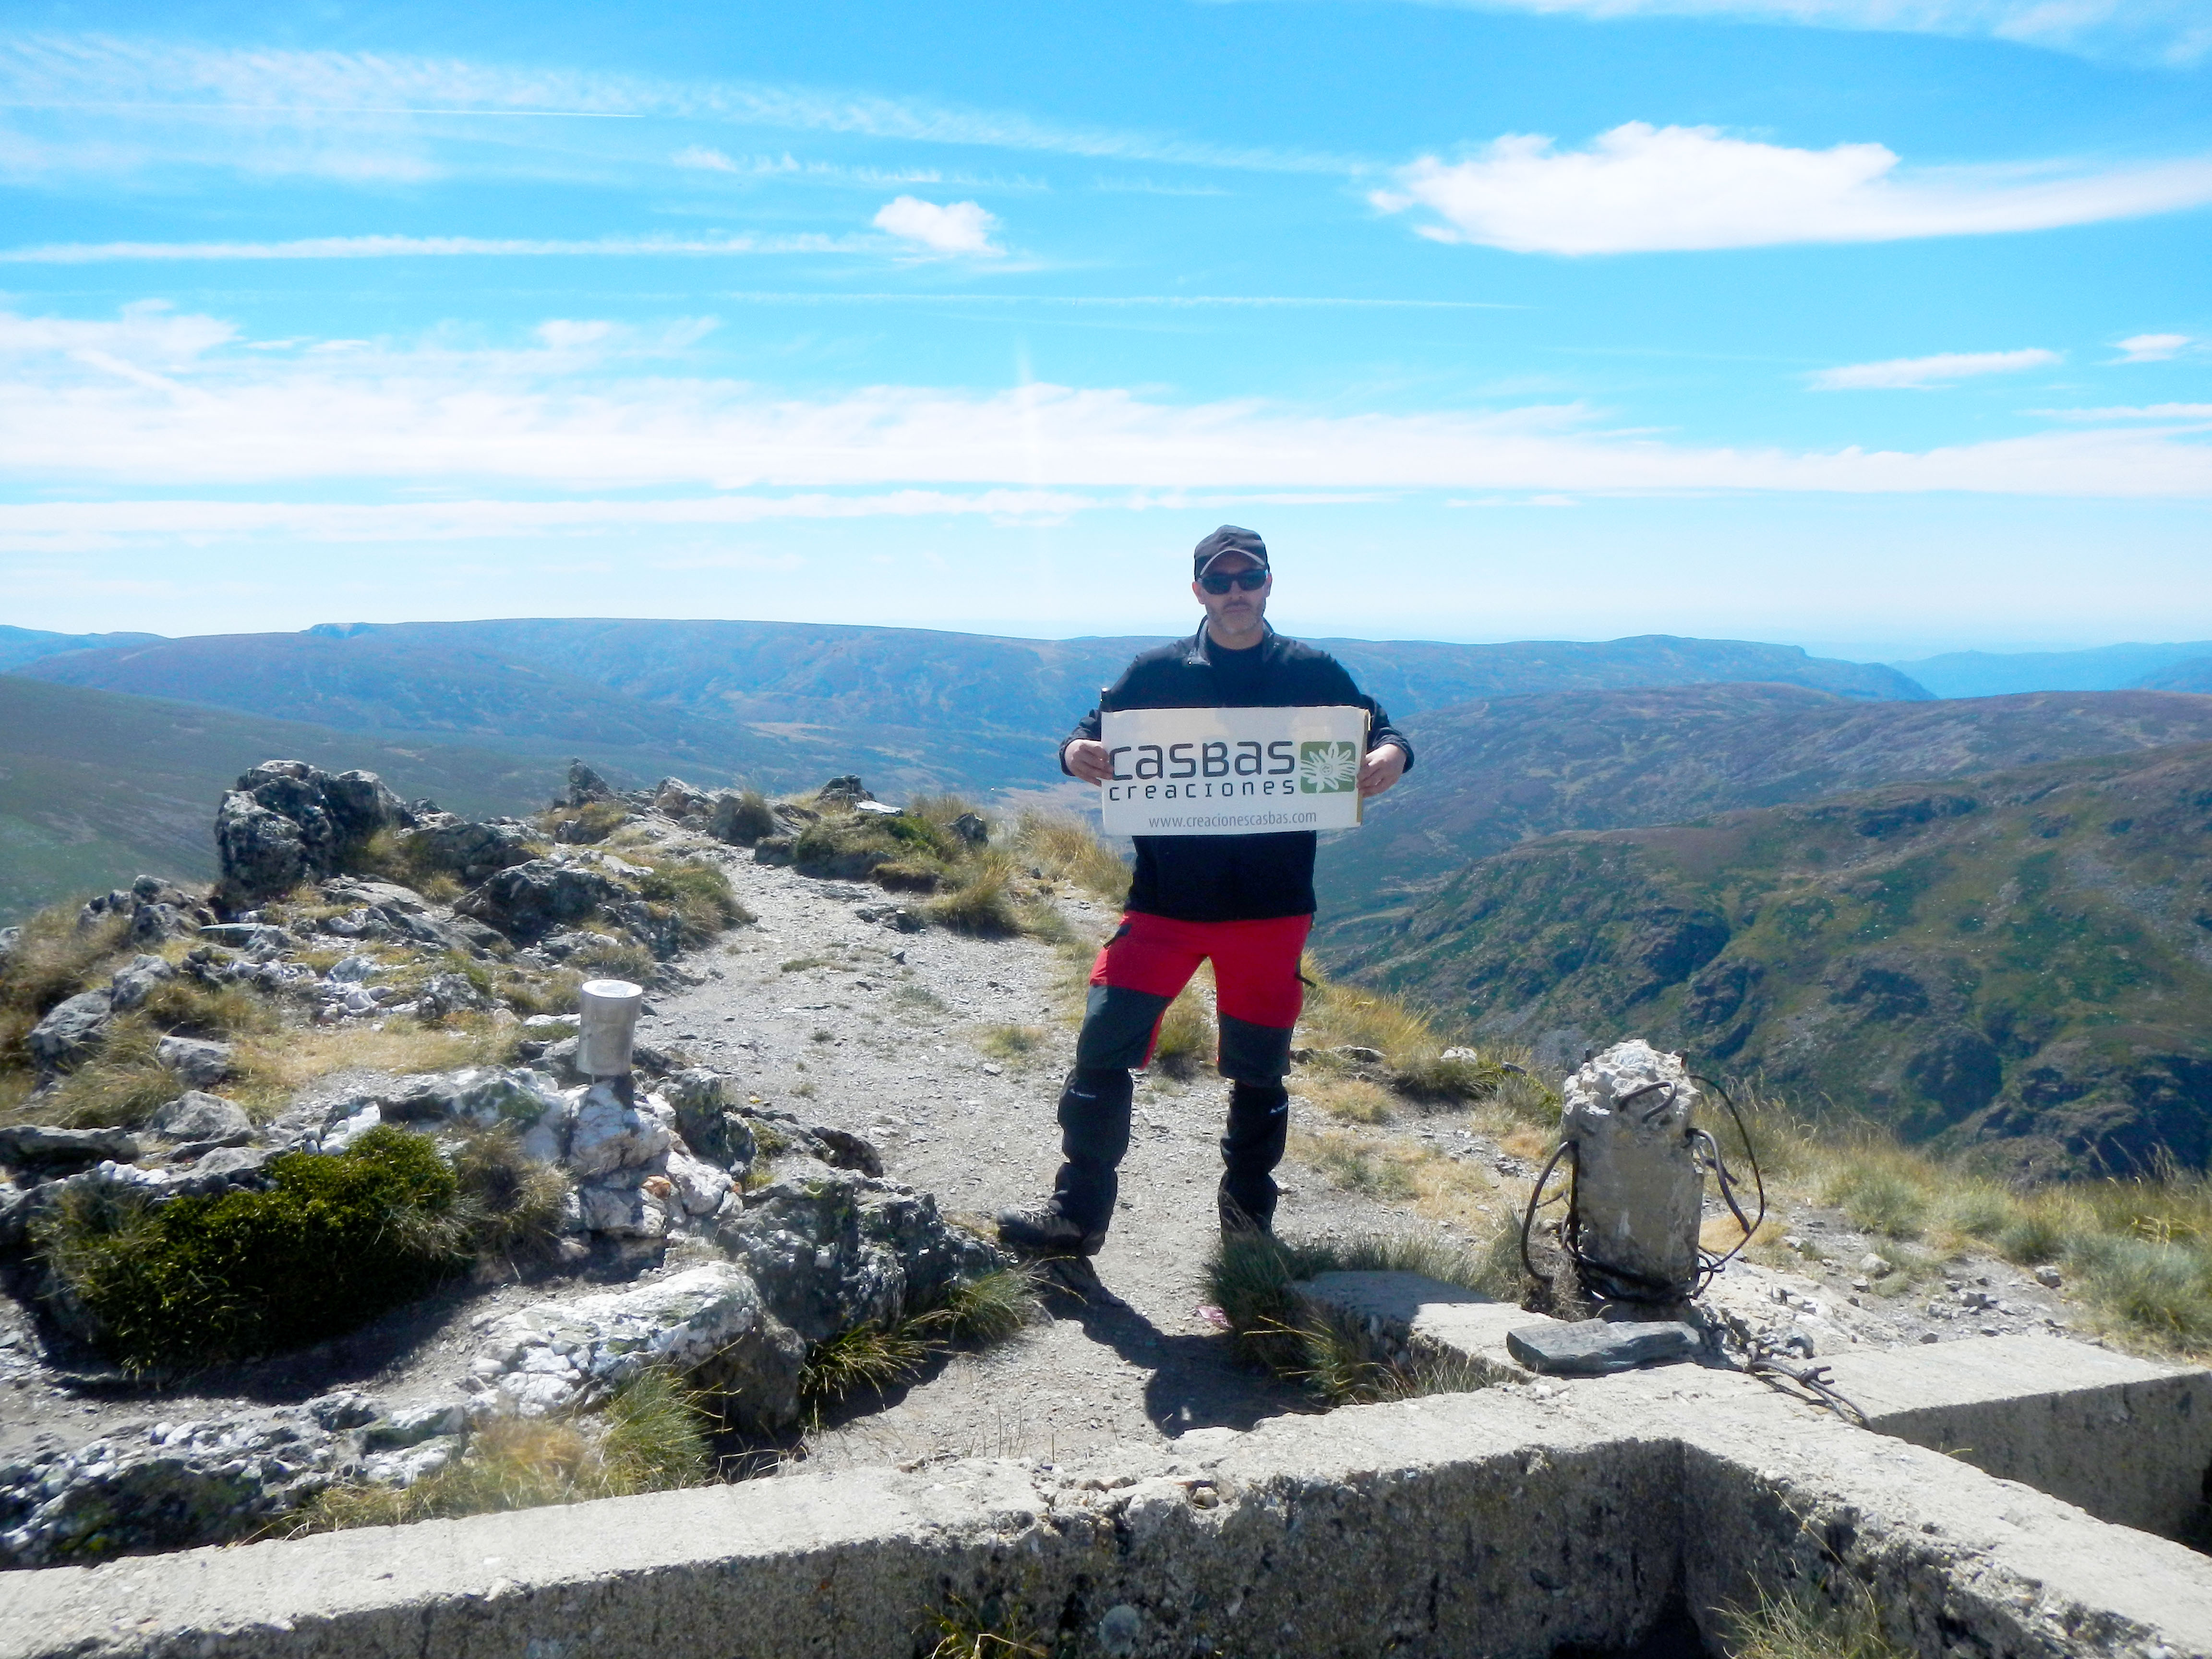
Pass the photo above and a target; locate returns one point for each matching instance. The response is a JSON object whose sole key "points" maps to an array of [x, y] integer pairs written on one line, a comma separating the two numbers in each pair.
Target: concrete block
{"points": [[2129, 1440], [1412, 1310], [1505, 1523]]}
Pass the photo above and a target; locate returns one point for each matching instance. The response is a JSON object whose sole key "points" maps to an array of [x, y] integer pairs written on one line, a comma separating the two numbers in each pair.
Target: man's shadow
{"points": [[1193, 1381]]}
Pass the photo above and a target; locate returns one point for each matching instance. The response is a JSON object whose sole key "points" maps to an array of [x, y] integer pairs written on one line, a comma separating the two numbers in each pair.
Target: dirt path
{"points": [[846, 1022]]}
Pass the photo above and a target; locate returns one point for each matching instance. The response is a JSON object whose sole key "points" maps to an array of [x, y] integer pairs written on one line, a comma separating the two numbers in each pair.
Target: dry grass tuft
{"points": [[1799, 1625], [1064, 848], [651, 1437], [1187, 1039]]}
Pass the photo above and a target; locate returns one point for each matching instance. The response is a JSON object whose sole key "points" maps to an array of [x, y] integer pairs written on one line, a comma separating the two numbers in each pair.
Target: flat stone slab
{"points": [[1415, 1311], [1598, 1347]]}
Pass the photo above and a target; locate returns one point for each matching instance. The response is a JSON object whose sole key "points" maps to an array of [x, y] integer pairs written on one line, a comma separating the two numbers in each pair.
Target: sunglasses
{"points": [[1250, 580]]}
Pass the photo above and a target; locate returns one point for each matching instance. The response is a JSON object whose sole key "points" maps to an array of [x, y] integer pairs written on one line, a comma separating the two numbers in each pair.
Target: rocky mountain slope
{"points": [[96, 786], [2022, 958], [1504, 770]]}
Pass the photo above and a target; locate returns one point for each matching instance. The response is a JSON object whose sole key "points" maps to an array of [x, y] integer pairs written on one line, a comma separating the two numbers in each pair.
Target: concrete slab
{"points": [[1411, 1310], [1502, 1523], [2129, 1440]]}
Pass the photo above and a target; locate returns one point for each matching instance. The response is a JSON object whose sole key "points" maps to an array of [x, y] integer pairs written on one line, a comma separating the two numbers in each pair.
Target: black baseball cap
{"points": [[1230, 538]]}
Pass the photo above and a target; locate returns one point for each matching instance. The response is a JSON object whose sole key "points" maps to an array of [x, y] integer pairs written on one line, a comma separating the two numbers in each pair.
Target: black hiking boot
{"points": [[1041, 1230], [1237, 1222]]}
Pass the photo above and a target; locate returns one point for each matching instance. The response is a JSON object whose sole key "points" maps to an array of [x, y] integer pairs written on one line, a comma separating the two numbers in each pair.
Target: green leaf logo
{"points": [[1328, 768]]}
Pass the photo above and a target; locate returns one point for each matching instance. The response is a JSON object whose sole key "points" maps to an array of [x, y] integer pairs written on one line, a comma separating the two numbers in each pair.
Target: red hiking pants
{"points": [[1150, 958]]}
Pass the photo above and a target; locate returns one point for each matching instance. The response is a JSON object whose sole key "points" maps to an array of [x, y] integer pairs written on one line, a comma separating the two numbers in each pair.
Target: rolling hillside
{"points": [[780, 702], [95, 788], [1503, 770], [21, 645], [2020, 959]]}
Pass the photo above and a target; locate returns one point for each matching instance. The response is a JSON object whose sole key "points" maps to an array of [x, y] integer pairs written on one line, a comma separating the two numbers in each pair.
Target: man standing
{"points": [[1246, 901]]}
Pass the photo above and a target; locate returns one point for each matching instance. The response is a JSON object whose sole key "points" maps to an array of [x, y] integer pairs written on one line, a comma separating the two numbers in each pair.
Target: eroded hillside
{"points": [[2023, 957]]}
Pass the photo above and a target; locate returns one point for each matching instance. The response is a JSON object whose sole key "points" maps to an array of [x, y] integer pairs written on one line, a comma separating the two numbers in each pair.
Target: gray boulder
{"points": [[702, 1099], [736, 816], [49, 1151], [202, 1119], [450, 994], [675, 798], [708, 1324], [361, 805], [71, 1031], [198, 1063], [606, 1133], [263, 852], [173, 1487], [585, 787], [972, 830], [660, 931], [288, 821], [470, 851], [132, 985], [529, 900], [626, 1204], [834, 1249]]}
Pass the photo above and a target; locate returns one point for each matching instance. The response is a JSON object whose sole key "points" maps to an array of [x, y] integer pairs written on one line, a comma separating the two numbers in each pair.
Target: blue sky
{"points": [[1877, 325]]}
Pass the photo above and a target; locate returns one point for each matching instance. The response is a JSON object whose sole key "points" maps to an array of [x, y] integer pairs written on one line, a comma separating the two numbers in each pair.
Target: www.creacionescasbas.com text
{"points": [[1241, 820]]}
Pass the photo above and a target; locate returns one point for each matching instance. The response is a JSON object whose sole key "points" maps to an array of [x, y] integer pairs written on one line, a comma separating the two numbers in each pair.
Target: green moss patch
{"points": [[331, 1242]]}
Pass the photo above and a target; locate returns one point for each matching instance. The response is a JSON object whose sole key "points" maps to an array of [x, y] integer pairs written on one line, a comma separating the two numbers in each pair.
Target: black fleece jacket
{"points": [[1232, 878]]}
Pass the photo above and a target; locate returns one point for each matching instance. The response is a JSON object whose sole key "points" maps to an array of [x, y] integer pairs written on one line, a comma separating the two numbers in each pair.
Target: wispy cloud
{"points": [[2184, 412], [2151, 348], [386, 101], [1920, 373], [160, 400], [435, 247], [954, 228], [1640, 189], [2174, 32]]}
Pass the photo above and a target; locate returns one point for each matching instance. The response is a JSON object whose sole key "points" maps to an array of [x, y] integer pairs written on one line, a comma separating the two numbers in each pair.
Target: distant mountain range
{"points": [[95, 788], [2185, 667], [1503, 770], [2021, 958], [21, 645], [777, 702]]}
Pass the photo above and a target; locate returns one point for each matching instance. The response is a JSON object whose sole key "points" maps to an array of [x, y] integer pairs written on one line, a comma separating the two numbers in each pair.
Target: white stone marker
{"points": [[609, 1028], [1638, 1191]]}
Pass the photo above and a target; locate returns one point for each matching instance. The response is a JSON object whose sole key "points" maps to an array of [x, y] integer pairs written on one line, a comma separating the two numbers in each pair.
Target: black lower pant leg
{"points": [[1094, 1135], [1258, 1122]]}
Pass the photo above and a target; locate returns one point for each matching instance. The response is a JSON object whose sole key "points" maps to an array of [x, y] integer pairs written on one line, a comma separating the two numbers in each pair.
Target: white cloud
{"points": [[699, 157], [155, 400], [428, 247], [2151, 348], [2185, 412], [954, 228], [1919, 374], [2156, 31], [377, 114], [1640, 188]]}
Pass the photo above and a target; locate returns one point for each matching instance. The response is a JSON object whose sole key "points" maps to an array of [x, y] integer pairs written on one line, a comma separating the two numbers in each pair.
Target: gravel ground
{"points": [[848, 1022]]}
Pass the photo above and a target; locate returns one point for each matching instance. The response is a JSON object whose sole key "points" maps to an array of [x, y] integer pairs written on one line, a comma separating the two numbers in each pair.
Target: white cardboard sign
{"points": [[1232, 771]]}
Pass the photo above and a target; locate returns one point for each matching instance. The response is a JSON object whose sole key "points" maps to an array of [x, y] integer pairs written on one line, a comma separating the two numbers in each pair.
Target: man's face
{"points": [[1235, 611]]}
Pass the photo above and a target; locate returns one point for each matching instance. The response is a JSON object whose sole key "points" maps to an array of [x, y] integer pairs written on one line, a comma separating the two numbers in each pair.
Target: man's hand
{"points": [[1382, 768], [1087, 758]]}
